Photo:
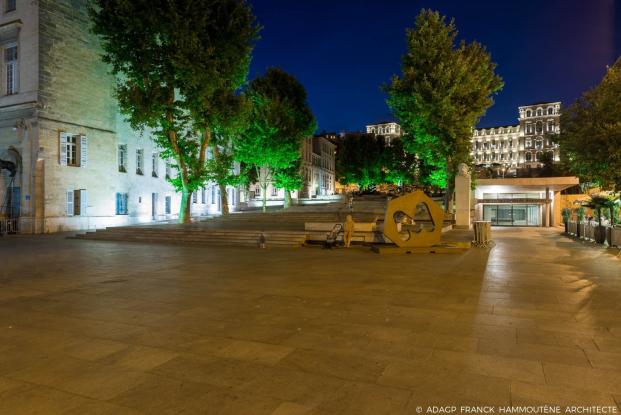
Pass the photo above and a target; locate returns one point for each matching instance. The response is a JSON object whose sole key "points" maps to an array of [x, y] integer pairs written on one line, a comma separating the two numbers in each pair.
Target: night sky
{"points": [[344, 50]]}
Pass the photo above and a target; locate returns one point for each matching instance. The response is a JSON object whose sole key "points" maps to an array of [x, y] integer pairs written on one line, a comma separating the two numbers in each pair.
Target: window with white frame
{"points": [[140, 162], [550, 127], [76, 202], [550, 111], [10, 6], [195, 196], [123, 158], [168, 170], [539, 127], [274, 191], [203, 196], [155, 162], [213, 195], [11, 69], [73, 150]]}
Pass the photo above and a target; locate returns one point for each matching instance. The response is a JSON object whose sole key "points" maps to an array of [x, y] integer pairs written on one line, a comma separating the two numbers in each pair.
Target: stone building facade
{"points": [[520, 145], [80, 166], [318, 167], [389, 130], [318, 174]]}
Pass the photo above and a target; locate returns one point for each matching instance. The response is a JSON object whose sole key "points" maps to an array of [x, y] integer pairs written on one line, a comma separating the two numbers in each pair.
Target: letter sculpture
{"points": [[413, 236]]}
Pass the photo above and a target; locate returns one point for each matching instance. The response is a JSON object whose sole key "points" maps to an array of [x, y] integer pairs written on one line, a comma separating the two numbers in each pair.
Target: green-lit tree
{"points": [[443, 90], [289, 179], [232, 118], [399, 167], [176, 62], [590, 138], [360, 160], [280, 119]]}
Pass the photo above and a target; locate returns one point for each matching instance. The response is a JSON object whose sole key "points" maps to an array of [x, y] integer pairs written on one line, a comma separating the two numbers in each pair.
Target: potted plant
{"points": [[579, 218], [600, 202], [566, 215]]}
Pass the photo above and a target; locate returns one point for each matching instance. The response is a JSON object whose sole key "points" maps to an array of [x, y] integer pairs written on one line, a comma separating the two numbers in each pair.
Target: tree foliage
{"points": [[177, 64], [360, 160], [280, 119], [289, 179], [590, 138], [399, 167], [443, 90]]}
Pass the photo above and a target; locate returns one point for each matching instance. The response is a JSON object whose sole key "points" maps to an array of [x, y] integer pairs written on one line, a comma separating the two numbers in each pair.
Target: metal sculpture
{"points": [[399, 225]]}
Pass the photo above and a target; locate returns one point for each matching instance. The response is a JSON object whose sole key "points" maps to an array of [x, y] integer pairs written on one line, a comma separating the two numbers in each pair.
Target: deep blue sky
{"points": [[344, 50]]}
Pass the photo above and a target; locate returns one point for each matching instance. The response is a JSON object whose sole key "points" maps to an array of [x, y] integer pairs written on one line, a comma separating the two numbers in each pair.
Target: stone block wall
{"points": [[76, 97]]}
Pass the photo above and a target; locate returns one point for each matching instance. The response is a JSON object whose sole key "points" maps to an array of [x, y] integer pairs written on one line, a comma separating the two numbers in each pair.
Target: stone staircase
{"points": [[197, 235], [281, 228]]}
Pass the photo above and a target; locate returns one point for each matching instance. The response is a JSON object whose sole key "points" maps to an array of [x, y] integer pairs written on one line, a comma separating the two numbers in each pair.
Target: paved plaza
{"points": [[90, 327]]}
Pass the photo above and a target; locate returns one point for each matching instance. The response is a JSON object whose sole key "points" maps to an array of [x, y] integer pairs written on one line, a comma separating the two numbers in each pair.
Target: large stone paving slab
{"points": [[126, 328]]}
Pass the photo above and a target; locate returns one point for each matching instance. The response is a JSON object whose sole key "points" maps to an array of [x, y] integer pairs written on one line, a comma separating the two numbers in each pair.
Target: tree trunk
{"points": [[185, 215], [263, 177], [224, 199], [287, 204]]}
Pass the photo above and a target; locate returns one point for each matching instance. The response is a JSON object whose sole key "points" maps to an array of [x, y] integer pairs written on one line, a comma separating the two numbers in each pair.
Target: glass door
{"points": [[512, 215]]}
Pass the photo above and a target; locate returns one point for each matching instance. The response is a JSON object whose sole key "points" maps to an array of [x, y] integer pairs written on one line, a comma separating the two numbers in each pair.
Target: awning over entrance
{"points": [[530, 184], [519, 201]]}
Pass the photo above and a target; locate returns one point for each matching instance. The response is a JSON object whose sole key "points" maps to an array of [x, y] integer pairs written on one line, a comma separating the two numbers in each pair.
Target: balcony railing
{"points": [[9, 226]]}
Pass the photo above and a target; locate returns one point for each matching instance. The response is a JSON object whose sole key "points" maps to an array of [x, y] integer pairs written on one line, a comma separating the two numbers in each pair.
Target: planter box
{"points": [[615, 237]]}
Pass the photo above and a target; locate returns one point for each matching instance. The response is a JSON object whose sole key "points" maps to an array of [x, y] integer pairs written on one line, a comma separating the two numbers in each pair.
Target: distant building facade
{"points": [[389, 130], [79, 164], [523, 144], [318, 156], [319, 166]]}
